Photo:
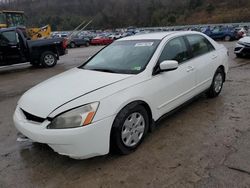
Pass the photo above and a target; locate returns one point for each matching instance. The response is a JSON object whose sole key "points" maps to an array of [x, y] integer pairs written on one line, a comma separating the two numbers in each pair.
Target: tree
{"points": [[210, 8]]}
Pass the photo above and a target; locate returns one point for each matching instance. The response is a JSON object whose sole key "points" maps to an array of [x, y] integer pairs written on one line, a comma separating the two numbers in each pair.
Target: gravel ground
{"points": [[205, 144]]}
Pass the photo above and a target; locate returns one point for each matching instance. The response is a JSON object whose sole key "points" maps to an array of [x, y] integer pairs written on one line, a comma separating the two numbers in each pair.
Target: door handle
{"points": [[13, 46], [190, 68], [214, 56]]}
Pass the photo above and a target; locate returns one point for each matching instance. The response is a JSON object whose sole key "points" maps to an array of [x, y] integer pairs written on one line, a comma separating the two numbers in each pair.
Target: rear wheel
{"points": [[129, 129], [227, 38], [217, 84], [48, 59], [72, 45]]}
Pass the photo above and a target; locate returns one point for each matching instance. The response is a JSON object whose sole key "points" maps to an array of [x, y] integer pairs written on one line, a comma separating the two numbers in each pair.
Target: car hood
{"points": [[44, 98], [245, 40]]}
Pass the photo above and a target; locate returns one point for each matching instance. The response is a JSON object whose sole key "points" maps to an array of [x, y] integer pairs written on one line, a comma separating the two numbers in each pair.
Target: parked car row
{"points": [[224, 33], [217, 32], [105, 37]]}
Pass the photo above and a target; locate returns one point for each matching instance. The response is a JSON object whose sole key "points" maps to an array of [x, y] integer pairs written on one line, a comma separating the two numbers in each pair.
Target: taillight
{"points": [[64, 43]]}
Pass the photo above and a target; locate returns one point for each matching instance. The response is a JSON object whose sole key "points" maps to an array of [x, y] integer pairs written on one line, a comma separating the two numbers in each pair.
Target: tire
{"points": [[72, 45], [87, 44], [126, 135], [48, 59], [217, 84], [227, 38]]}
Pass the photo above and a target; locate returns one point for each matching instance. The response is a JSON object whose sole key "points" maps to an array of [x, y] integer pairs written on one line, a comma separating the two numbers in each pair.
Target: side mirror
{"points": [[169, 65]]}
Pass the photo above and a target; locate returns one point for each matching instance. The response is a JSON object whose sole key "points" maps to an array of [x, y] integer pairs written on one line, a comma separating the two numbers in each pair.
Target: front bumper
{"points": [[77, 143], [242, 49]]}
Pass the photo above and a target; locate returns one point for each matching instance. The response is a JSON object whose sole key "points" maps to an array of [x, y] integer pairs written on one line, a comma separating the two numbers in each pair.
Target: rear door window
{"points": [[199, 45]]}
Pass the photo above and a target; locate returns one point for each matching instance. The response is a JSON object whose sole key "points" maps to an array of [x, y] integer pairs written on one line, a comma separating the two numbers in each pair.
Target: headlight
{"points": [[241, 43], [78, 117]]}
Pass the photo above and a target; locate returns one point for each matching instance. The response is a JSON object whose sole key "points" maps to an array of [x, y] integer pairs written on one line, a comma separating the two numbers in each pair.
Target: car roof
{"points": [[157, 35], [6, 29], [11, 29], [11, 11]]}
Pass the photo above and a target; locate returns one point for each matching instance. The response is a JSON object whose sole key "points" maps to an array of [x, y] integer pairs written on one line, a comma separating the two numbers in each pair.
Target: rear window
{"points": [[199, 45], [2, 19], [9, 37]]}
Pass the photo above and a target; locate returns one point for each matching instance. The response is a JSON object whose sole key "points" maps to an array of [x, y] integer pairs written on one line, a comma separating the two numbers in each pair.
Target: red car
{"points": [[101, 41]]}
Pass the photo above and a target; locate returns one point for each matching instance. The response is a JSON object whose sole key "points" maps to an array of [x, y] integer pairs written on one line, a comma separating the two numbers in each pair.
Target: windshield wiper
{"points": [[104, 70]]}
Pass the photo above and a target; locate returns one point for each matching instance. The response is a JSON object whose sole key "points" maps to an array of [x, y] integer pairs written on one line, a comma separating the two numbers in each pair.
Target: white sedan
{"points": [[115, 98]]}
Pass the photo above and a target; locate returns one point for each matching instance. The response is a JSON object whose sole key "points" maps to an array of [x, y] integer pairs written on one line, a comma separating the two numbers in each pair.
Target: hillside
{"points": [[64, 15]]}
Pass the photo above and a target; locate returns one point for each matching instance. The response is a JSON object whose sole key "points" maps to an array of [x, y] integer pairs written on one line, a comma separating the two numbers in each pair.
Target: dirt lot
{"points": [[206, 144]]}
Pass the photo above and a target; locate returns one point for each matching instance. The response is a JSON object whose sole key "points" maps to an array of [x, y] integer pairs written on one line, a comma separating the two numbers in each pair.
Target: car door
{"points": [[10, 47], [204, 58], [2, 43], [173, 88]]}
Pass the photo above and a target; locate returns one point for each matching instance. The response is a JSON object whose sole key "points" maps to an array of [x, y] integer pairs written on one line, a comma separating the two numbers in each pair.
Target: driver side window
{"points": [[175, 49]]}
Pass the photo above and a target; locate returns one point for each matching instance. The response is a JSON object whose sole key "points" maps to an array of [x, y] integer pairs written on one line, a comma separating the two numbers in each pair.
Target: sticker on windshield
{"points": [[144, 44], [137, 68]]}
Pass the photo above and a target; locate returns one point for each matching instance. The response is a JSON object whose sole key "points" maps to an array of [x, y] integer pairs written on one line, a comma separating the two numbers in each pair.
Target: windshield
{"points": [[2, 19], [126, 57]]}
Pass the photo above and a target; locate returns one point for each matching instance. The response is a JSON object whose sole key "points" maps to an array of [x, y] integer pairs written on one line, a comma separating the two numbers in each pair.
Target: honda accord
{"points": [[114, 99]]}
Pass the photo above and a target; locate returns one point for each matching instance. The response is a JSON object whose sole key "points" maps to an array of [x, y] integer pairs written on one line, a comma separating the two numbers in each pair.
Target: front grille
{"points": [[237, 48], [246, 51], [32, 117]]}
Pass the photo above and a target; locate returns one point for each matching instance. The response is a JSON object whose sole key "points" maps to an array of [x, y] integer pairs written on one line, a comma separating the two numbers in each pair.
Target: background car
{"points": [[242, 48], [78, 41], [101, 40], [222, 33]]}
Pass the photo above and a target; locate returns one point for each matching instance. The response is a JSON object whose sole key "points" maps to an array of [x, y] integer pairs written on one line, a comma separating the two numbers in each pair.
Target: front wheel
{"points": [[227, 38], [129, 129], [48, 59], [217, 84], [72, 45]]}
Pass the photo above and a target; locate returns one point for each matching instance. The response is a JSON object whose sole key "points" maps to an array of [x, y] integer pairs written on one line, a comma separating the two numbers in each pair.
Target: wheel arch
{"points": [[223, 69], [48, 51], [147, 108]]}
